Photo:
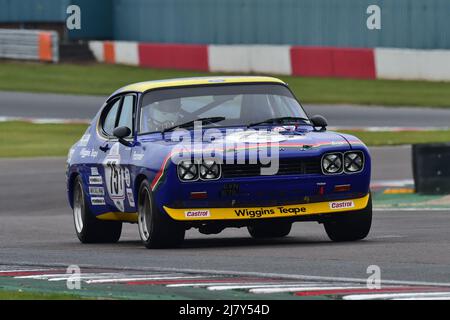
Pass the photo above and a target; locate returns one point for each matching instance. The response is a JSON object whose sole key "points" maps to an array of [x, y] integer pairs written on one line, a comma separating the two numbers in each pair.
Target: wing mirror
{"points": [[121, 133], [319, 121]]}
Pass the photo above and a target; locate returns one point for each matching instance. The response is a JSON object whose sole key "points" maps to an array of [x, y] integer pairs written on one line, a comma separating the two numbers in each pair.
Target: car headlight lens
{"points": [[209, 170], [332, 163], [353, 162], [187, 171]]}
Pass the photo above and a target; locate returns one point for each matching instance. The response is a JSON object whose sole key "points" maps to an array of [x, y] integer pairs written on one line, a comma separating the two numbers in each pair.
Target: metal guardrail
{"points": [[29, 45]]}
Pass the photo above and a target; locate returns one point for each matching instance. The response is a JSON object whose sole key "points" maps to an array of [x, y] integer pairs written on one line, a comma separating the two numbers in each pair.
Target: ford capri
{"points": [[212, 153]]}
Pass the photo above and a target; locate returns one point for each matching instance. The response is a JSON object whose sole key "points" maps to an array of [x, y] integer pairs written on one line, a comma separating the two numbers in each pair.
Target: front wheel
{"points": [[156, 229], [351, 226], [269, 229], [88, 228]]}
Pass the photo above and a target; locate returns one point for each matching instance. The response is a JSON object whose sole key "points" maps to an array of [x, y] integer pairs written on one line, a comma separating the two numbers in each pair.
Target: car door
{"points": [[115, 166]]}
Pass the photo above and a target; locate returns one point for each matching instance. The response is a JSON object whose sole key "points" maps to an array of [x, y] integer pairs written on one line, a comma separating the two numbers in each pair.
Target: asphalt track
{"points": [[33, 105], [36, 227], [36, 223]]}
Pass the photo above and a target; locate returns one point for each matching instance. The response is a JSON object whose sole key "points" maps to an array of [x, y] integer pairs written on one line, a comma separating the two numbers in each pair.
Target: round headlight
{"points": [[353, 162], [209, 170], [187, 171], [332, 163]]}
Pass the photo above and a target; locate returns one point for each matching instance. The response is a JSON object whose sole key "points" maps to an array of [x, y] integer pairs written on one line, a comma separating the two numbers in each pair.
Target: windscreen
{"points": [[240, 105]]}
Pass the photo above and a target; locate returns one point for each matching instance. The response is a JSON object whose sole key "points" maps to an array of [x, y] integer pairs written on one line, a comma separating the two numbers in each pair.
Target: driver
{"points": [[165, 114]]}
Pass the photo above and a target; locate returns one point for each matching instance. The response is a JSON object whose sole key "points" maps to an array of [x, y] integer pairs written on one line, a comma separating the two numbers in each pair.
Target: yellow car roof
{"points": [[149, 85]]}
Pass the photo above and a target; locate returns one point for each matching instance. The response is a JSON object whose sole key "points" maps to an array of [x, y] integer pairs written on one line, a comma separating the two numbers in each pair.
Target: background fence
{"points": [[420, 24]]}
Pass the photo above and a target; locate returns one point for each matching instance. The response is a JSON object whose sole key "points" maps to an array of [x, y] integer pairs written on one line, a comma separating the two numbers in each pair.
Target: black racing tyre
{"points": [[88, 228], [156, 229], [351, 226], [269, 229]]}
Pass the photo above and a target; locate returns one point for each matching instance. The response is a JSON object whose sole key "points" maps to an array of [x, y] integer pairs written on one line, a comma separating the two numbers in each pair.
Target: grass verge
{"points": [[24, 295], [403, 137], [102, 79], [21, 139]]}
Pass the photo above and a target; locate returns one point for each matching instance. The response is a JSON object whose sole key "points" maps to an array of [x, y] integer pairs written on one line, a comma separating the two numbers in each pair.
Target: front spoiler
{"points": [[296, 210]]}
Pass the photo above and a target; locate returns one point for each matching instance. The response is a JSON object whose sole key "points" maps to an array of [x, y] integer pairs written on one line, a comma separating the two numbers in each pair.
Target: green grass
{"points": [[102, 79], [24, 295], [399, 138], [20, 139]]}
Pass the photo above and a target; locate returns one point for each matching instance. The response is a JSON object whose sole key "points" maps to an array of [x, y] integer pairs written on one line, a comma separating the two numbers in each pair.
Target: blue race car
{"points": [[212, 153]]}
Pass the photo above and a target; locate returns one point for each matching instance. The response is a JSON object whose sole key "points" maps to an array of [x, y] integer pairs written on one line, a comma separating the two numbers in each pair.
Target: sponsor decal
{"points": [[85, 153], [342, 205], [258, 213], [137, 156], [98, 201], [94, 171], [70, 155], [96, 191], [95, 180], [84, 140], [127, 177], [130, 197], [197, 214], [252, 136], [284, 128]]}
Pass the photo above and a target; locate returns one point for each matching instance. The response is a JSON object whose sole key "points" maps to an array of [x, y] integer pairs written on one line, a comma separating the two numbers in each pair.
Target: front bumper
{"points": [[287, 211]]}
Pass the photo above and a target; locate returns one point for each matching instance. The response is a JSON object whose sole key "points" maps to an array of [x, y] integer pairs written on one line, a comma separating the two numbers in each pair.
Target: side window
{"points": [[126, 113], [109, 122]]}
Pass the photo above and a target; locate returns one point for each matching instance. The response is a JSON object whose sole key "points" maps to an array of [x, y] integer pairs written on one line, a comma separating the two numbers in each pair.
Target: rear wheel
{"points": [[350, 226], [268, 229], [88, 228], [156, 229]]}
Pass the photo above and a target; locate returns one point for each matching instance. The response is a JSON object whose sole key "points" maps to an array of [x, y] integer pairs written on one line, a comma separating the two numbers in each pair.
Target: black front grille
{"points": [[286, 167]]}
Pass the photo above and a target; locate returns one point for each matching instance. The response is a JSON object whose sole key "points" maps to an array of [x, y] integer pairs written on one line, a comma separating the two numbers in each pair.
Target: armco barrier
{"points": [[358, 63], [29, 45]]}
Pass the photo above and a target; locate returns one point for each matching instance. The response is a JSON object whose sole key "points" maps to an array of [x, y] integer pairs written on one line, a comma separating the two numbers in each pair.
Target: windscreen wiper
{"points": [[192, 122], [278, 120]]}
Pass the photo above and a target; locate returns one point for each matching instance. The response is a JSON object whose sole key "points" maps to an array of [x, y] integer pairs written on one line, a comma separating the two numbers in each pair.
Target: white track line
{"points": [[410, 209], [300, 289], [416, 296], [231, 283], [65, 276], [262, 285], [392, 183], [143, 279], [45, 120], [25, 270]]}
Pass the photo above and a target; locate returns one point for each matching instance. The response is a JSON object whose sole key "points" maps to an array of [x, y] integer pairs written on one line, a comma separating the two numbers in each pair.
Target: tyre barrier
{"points": [[431, 168], [29, 45]]}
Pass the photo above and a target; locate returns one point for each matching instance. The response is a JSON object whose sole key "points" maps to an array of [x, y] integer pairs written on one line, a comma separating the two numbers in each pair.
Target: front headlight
{"points": [[209, 170], [353, 162], [187, 171], [332, 163]]}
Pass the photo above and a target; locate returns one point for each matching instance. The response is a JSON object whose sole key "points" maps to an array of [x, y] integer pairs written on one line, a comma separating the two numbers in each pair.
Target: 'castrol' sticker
{"points": [[197, 214], [342, 205]]}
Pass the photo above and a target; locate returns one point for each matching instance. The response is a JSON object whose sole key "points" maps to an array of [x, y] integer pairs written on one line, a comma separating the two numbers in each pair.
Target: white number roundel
{"points": [[115, 177]]}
